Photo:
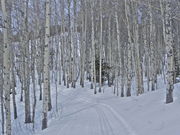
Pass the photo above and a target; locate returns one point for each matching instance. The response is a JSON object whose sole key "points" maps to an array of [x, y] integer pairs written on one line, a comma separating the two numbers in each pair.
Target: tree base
{"points": [[122, 94], [40, 97], [28, 120], [49, 106], [95, 92], [128, 94], [169, 98], [91, 85], [99, 90], [44, 124]]}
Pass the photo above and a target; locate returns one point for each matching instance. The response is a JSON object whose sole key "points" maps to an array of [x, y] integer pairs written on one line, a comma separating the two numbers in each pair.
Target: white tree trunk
{"points": [[63, 43], [109, 51], [138, 67], [93, 47], [119, 52], [1, 94], [129, 44], [46, 66], [6, 67], [13, 82], [170, 52], [26, 63], [152, 48], [100, 47]]}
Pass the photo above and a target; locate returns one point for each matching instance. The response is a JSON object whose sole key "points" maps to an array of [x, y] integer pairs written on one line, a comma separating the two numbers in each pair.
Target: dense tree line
{"points": [[63, 41]]}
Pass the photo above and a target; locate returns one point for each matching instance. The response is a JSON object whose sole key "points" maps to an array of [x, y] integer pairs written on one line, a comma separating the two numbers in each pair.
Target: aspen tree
{"points": [[63, 42], [129, 44], [33, 67], [117, 47], [163, 21], [138, 68], [119, 54], [83, 42], [26, 59], [69, 46], [100, 46], [109, 50], [13, 84], [74, 39], [46, 66], [1, 92], [40, 43], [57, 53], [152, 47], [93, 47], [169, 51], [41, 67], [147, 59], [6, 66]]}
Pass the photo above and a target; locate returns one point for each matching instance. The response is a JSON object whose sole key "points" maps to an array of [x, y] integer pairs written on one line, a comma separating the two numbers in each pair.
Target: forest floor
{"points": [[80, 112], [83, 113]]}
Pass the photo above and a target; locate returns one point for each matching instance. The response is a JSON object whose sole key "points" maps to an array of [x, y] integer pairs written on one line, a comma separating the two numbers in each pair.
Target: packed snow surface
{"points": [[80, 112]]}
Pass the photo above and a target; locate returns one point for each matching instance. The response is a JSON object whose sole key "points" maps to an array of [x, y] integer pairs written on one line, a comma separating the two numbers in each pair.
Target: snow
{"points": [[80, 112], [83, 113]]}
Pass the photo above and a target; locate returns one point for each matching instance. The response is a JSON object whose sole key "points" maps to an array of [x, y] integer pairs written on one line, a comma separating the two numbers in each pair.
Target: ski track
{"points": [[106, 115], [108, 128], [120, 119], [116, 115]]}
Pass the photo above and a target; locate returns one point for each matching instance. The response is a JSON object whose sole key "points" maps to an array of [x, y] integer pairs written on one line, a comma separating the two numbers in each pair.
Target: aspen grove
{"points": [[125, 45]]}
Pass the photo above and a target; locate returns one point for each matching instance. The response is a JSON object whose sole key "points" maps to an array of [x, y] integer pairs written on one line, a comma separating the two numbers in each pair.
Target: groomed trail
{"points": [[83, 113]]}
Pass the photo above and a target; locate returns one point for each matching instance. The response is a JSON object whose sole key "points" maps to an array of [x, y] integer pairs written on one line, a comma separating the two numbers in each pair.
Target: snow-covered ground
{"points": [[83, 113], [80, 112]]}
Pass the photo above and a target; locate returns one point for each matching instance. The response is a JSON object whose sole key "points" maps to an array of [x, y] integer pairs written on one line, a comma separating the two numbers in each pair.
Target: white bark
{"points": [[6, 67], [129, 44], [63, 44], [13, 84], [1, 94], [138, 66], [170, 52], [93, 48], [118, 63], [100, 47], [46, 66], [26, 64], [33, 54]]}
